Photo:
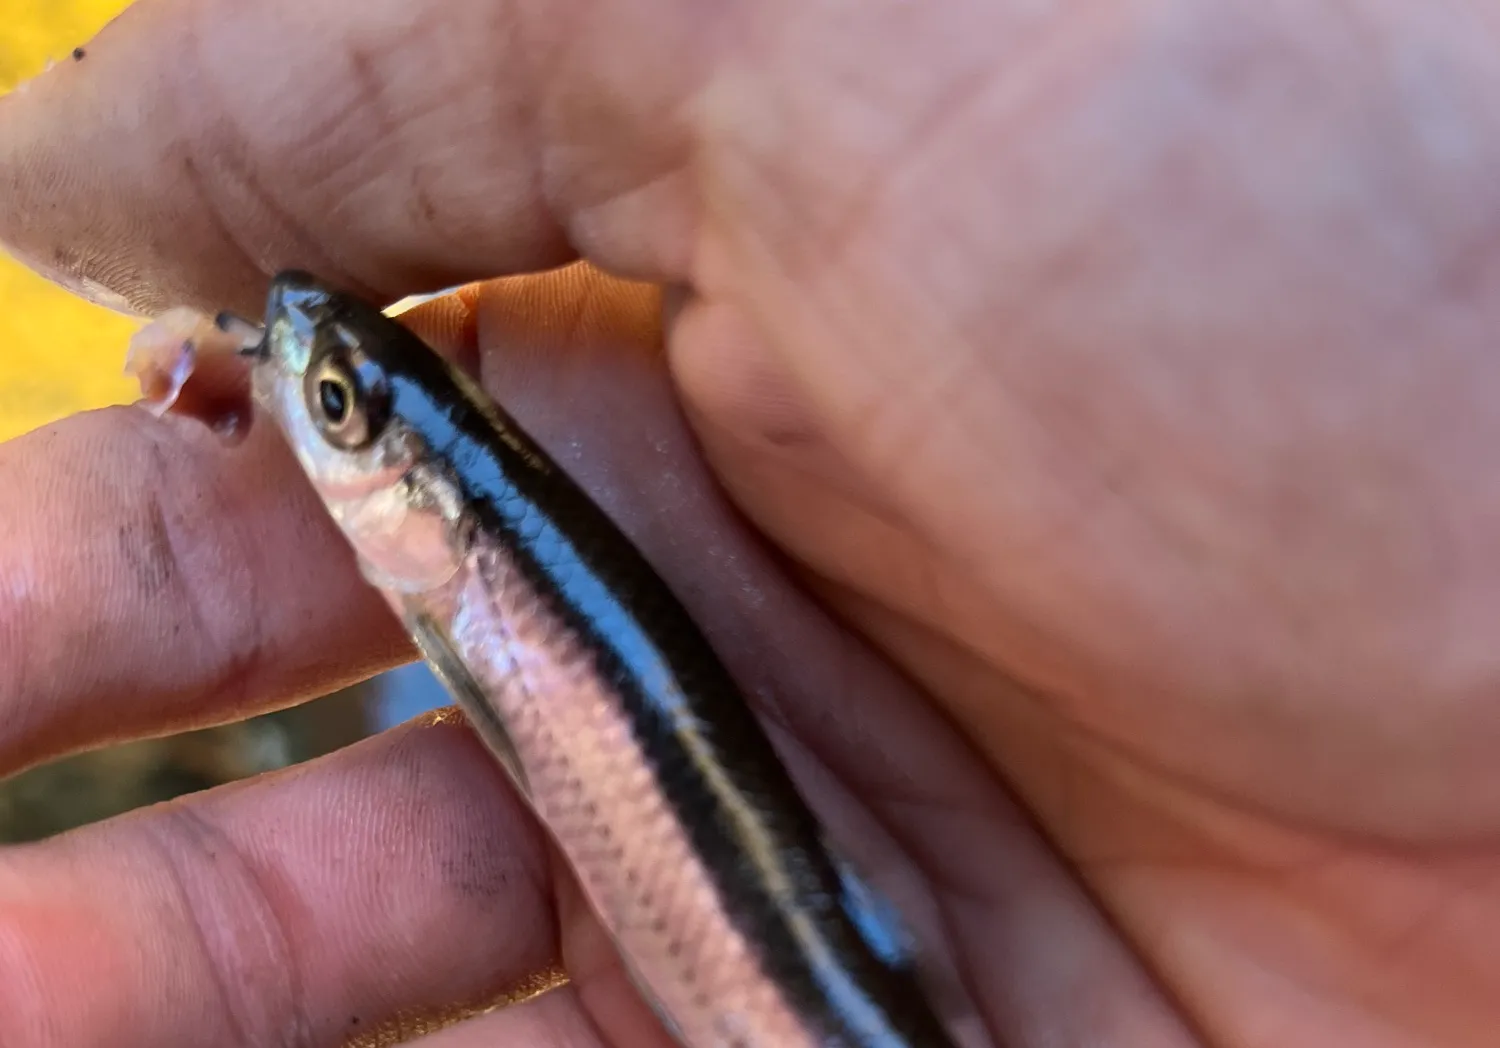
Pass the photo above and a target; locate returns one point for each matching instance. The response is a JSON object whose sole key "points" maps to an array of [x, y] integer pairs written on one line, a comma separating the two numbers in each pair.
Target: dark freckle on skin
{"points": [[234, 174], [474, 878], [194, 177], [147, 547], [78, 54]]}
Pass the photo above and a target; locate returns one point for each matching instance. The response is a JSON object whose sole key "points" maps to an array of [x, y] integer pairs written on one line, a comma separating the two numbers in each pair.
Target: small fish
{"points": [[594, 688]]}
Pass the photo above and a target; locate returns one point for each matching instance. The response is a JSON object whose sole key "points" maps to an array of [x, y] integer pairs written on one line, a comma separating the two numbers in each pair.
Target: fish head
{"points": [[342, 382], [315, 374]]}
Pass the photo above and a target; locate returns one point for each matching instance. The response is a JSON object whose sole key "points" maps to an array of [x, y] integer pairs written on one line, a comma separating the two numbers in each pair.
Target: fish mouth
{"points": [[294, 297], [252, 336]]}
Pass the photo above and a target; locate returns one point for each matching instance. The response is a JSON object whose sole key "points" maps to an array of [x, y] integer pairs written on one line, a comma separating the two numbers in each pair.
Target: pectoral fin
{"points": [[437, 650]]}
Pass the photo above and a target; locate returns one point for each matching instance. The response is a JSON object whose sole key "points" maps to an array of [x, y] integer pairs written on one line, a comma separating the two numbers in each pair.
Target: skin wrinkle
{"points": [[950, 107], [219, 171], [525, 107], [1133, 504], [185, 834], [1322, 933], [1284, 885], [246, 646], [793, 250], [338, 173], [1186, 537], [391, 124], [191, 93], [583, 115], [725, 405], [223, 229], [588, 195], [1402, 943], [882, 425]]}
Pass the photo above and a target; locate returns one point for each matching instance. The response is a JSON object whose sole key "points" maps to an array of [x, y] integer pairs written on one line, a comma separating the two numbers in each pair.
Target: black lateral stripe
{"points": [[601, 587]]}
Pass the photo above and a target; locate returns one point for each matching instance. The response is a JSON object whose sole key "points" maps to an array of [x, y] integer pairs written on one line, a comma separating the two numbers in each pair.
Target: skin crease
{"points": [[1120, 371]]}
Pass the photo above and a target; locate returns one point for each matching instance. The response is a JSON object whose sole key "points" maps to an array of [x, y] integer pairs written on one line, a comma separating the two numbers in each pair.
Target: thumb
{"points": [[196, 146]]}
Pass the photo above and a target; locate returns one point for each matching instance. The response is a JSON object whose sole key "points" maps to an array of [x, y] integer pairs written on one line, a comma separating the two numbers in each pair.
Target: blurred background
{"points": [[60, 355]]}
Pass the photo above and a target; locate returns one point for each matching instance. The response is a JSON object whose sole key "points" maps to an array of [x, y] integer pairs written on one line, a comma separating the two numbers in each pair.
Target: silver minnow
{"points": [[591, 684]]}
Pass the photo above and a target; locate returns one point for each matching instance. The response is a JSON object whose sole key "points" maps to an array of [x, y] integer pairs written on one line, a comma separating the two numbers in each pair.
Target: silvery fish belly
{"points": [[591, 684]]}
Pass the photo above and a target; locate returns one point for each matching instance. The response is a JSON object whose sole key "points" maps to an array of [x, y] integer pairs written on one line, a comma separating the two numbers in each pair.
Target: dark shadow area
{"points": [[87, 787]]}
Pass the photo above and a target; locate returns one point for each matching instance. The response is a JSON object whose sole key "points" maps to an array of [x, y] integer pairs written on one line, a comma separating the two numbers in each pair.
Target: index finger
{"points": [[396, 147]]}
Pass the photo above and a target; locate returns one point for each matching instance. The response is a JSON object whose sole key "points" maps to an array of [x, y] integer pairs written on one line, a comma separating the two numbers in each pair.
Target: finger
{"points": [[415, 146], [398, 877], [153, 579]]}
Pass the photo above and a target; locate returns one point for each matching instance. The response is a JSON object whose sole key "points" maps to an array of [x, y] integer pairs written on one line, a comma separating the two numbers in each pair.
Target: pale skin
{"points": [[1118, 378]]}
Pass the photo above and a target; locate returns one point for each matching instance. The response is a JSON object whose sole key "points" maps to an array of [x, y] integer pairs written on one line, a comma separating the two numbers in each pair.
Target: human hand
{"points": [[1116, 371]]}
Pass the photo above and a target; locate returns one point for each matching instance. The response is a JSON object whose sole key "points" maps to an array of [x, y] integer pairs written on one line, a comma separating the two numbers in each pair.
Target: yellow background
{"points": [[58, 354]]}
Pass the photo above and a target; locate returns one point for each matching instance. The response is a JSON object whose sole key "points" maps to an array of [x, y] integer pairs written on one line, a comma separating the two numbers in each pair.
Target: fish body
{"points": [[593, 686]]}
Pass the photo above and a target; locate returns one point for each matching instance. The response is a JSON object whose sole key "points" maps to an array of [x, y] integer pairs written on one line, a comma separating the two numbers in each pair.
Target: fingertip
{"points": [[144, 558], [398, 875]]}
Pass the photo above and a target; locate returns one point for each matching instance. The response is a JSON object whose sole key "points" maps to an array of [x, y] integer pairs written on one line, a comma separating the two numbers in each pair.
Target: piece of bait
{"points": [[593, 687], [162, 354], [183, 344]]}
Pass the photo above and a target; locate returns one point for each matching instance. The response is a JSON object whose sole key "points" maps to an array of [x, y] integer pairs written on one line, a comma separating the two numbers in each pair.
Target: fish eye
{"points": [[347, 400], [333, 398]]}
